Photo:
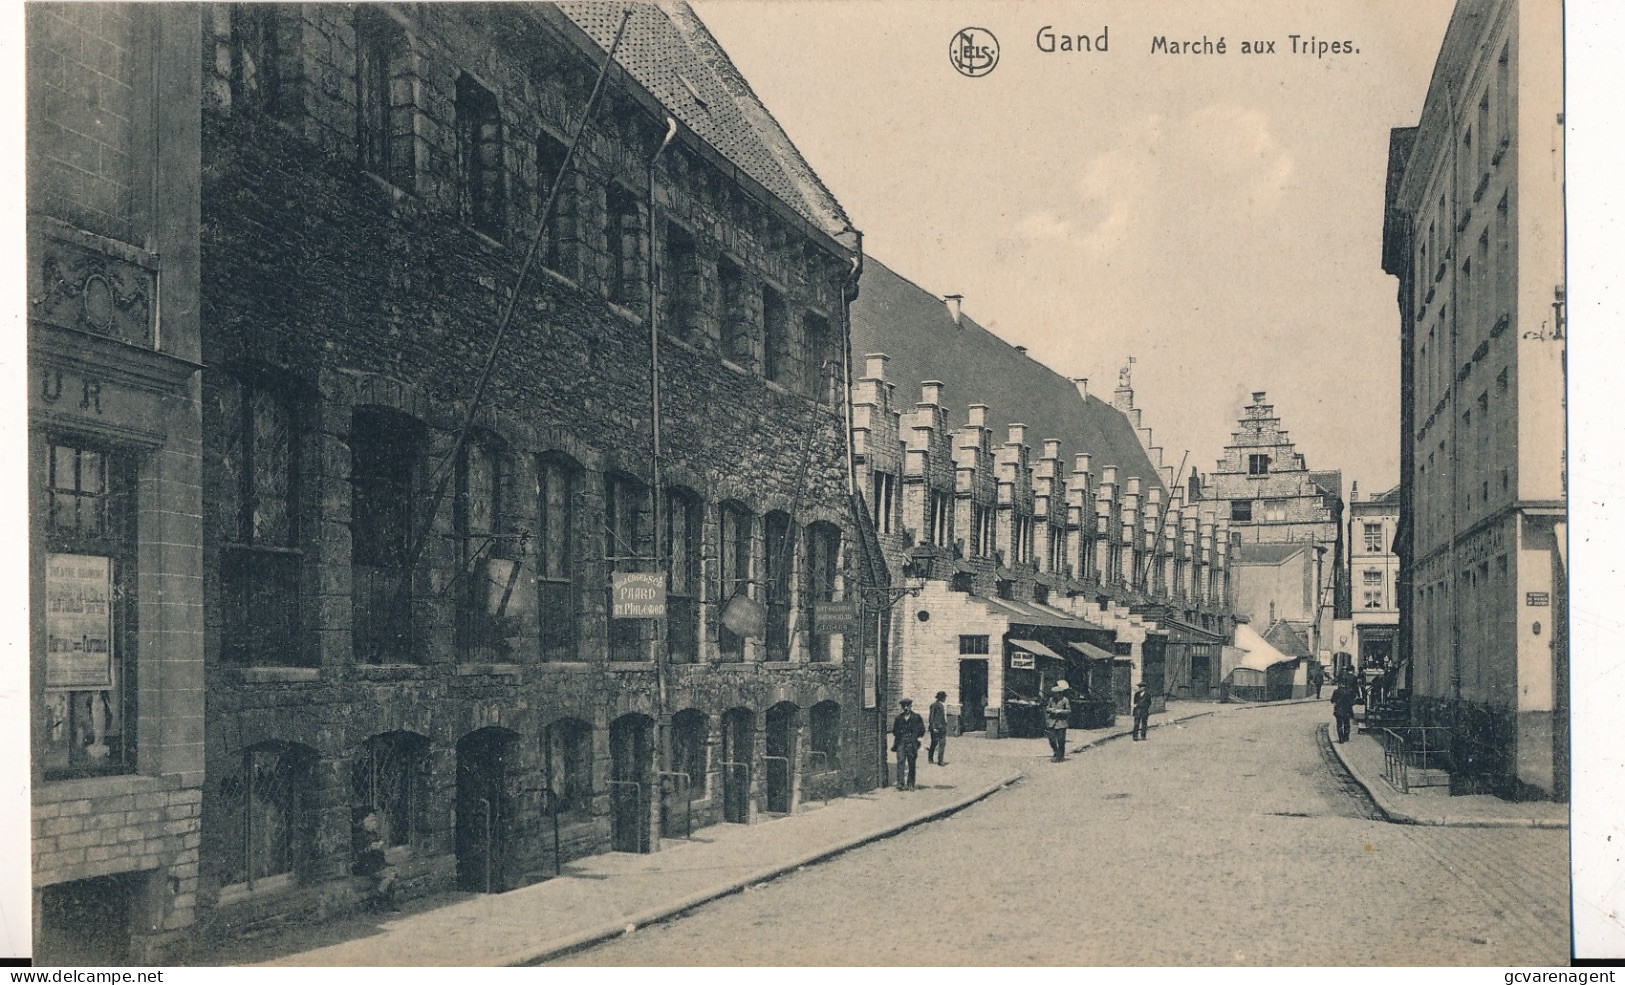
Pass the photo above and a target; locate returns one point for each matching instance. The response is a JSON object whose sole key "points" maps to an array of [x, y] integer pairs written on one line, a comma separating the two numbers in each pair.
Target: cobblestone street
{"points": [[1231, 839]]}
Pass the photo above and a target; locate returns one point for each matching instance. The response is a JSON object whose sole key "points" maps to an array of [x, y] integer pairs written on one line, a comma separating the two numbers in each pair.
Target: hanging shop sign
{"points": [[835, 617], [638, 595], [78, 622]]}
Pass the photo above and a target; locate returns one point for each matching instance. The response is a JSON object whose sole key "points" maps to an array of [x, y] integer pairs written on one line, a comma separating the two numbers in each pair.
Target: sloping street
{"points": [[1231, 839]]}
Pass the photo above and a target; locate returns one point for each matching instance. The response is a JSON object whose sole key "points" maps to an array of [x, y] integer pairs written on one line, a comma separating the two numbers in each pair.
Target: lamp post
{"points": [[880, 600]]}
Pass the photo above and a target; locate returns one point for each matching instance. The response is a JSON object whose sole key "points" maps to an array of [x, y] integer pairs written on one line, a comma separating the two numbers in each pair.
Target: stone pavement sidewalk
{"points": [[605, 895], [1362, 755]]}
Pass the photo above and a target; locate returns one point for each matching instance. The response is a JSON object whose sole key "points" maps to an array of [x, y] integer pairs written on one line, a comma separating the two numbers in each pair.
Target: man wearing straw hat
{"points": [[1056, 713]]}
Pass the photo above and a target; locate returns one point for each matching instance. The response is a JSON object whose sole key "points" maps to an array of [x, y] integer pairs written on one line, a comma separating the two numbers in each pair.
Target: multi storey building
{"points": [[1373, 579], [1287, 525], [1474, 231], [408, 527], [1042, 534], [115, 550]]}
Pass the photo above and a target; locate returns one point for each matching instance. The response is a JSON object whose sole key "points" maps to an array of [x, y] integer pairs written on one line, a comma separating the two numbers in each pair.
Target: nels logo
{"points": [[973, 51]]}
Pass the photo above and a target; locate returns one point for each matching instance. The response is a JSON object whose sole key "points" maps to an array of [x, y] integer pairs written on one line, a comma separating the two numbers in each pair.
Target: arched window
{"points": [[485, 563], [266, 815], [387, 780], [690, 739], [626, 505]]}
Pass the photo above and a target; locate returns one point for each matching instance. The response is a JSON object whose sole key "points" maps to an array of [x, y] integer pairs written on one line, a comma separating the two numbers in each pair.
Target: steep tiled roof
{"points": [[1286, 638], [913, 327], [672, 55], [1331, 486]]}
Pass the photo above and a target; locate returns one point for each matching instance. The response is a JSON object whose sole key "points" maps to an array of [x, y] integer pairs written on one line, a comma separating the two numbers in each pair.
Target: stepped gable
{"points": [[672, 54], [914, 327]]}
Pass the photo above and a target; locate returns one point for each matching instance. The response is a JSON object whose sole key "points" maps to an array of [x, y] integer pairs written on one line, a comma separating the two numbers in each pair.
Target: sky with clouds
{"points": [[1218, 217]]}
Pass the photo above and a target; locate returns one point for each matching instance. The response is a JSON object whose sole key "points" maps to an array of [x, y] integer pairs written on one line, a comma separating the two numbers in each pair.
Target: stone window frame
{"points": [[288, 770], [778, 584], [550, 152], [818, 346], [116, 536], [821, 569], [385, 546], [734, 571], [625, 272], [681, 546], [243, 552], [386, 98], [558, 485], [480, 527], [390, 777], [1373, 537], [683, 283], [777, 348], [627, 543], [884, 485], [1258, 464], [482, 173], [737, 324], [974, 644], [1241, 511]]}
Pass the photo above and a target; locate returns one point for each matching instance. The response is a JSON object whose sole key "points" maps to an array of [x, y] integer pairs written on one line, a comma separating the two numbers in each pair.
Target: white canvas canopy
{"points": [[1251, 651]]}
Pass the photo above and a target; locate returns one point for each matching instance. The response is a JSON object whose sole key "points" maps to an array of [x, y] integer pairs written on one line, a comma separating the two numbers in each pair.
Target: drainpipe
{"points": [[662, 724]]}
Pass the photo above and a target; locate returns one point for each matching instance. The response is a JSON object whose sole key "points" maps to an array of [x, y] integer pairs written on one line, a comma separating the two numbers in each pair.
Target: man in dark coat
{"points": [[1343, 709], [906, 730], [1057, 714], [1142, 712], [938, 724]]}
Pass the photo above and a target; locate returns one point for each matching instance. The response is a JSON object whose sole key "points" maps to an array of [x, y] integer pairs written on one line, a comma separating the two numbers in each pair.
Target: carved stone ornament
{"points": [[79, 287]]}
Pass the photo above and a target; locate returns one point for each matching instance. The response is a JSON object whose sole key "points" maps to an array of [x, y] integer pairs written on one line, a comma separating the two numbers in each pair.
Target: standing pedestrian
{"points": [[938, 752], [1057, 712], [906, 730], [1142, 712], [1317, 677], [1343, 709], [368, 859]]}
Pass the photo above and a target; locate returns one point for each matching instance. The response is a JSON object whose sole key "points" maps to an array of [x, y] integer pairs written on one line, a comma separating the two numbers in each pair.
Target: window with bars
{"points": [[255, 50], [384, 103], [567, 755], [736, 552], [626, 504], [386, 450], [823, 566], [264, 820], [941, 521], [778, 555], [682, 550], [87, 696], [387, 780], [775, 336], [481, 173], [973, 645], [556, 590], [255, 502]]}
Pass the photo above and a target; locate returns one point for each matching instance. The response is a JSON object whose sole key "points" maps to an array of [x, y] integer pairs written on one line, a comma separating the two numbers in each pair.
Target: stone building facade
{"points": [[1373, 581], [410, 566], [1041, 535], [1474, 231], [115, 549], [1274, 500]]}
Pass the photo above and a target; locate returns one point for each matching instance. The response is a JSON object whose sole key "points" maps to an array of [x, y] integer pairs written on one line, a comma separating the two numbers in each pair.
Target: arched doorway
{"points": [[483, 814], [631, 751], [738, 747], [780, 759]]}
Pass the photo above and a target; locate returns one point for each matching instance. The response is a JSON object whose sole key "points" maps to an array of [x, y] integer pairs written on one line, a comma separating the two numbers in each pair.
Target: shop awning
{"points": [[1033, 646], [1091, 651]]}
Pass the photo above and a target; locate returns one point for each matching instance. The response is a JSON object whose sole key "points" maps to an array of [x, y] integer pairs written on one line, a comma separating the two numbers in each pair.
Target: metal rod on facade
{"points": [[1162, 518], [445, 469], [664, 732]]}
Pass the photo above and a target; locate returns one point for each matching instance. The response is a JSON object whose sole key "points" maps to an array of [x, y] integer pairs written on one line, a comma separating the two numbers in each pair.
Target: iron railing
{"points": [[1424, 747]]}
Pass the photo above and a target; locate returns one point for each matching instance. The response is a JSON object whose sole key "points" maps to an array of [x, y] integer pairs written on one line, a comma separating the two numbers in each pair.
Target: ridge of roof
{"points": [[672, 55], [912, 326]]}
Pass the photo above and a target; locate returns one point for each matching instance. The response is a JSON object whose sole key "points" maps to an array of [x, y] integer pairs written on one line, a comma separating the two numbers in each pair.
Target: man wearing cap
{"points": [[938, 750], [1142, 712], [1057, 712], [906, 730]]}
